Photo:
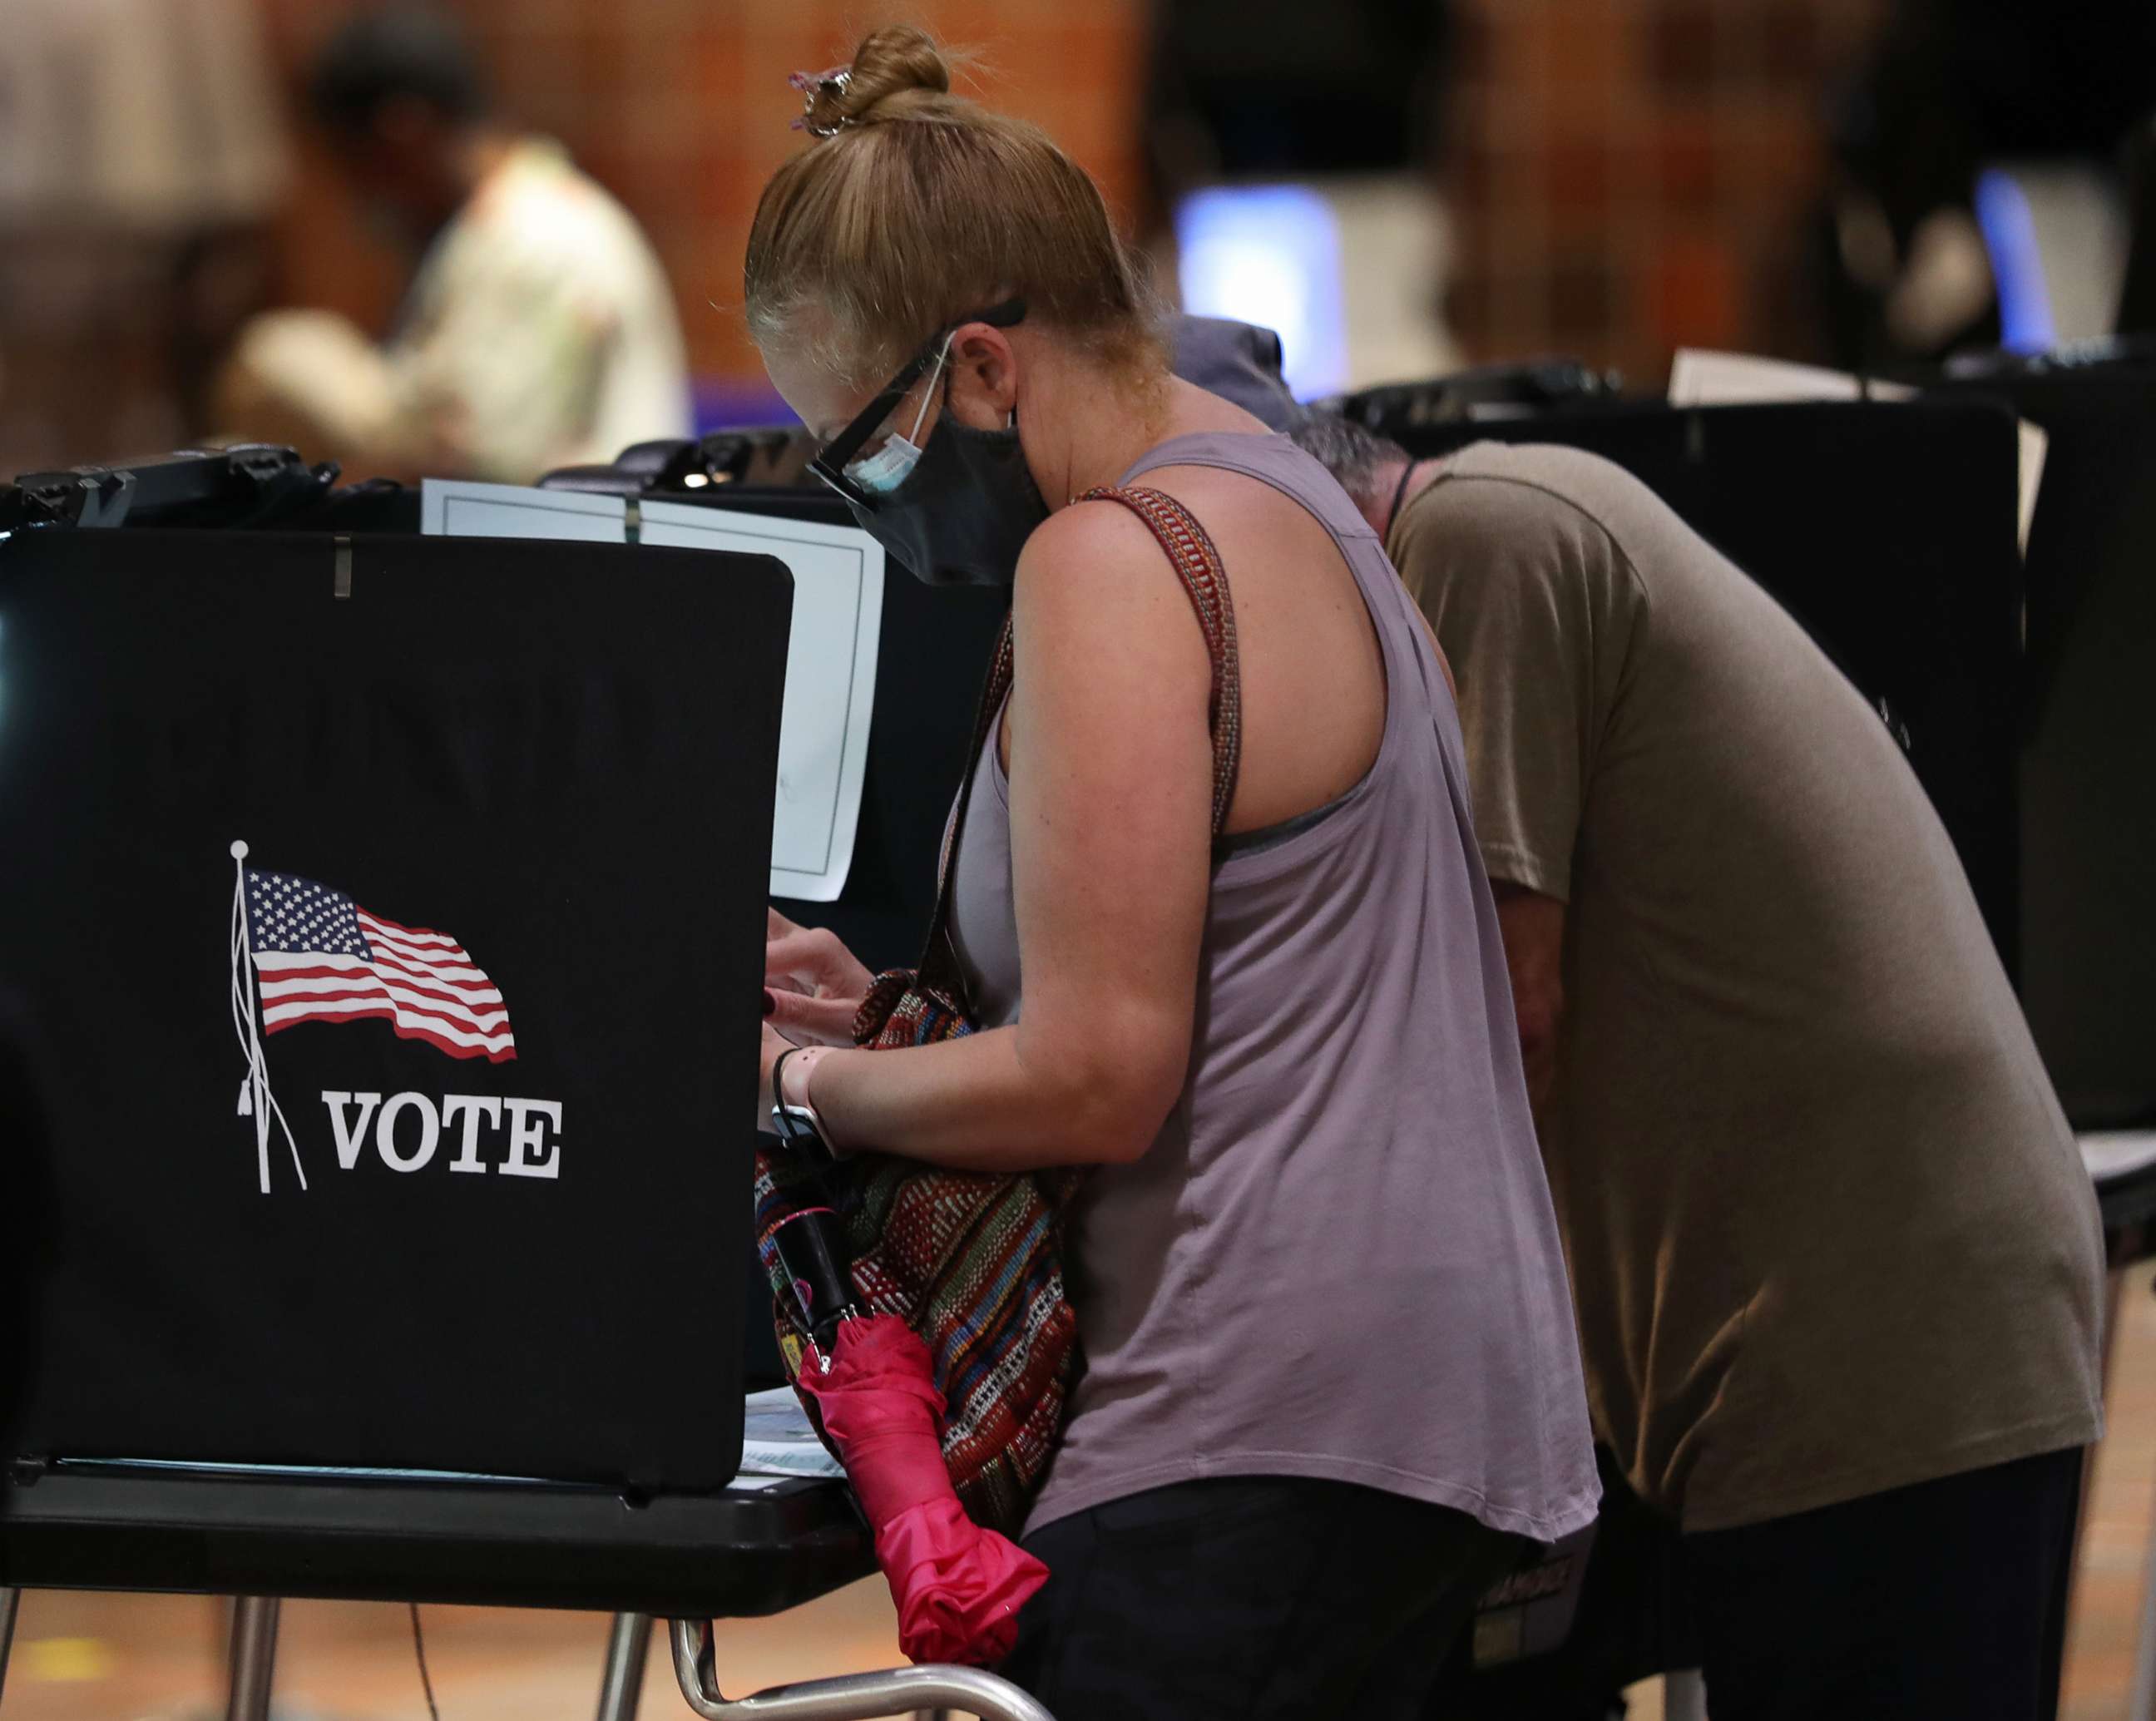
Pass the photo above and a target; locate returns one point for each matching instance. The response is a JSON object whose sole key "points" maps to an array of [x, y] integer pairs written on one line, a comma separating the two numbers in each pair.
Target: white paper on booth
{"points": [[1698, 378], [453, 508], [830, 679], [778, 1441], [831, 654]]}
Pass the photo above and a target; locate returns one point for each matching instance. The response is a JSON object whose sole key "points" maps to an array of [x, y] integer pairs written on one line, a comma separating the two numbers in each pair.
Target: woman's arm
{"points": [[1111, 844]]}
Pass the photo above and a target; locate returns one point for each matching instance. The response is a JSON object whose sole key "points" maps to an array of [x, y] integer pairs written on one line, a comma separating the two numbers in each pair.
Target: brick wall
{"points": [[680, 108], [1629, 176]]}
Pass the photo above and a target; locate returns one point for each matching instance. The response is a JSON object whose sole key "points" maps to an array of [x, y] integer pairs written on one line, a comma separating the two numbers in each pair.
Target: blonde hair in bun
{"points": [[895, 72], [914, 207]]}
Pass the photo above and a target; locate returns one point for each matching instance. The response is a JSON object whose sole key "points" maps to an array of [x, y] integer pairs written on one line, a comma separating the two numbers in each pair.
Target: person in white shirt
{"points": [[539, 330]]}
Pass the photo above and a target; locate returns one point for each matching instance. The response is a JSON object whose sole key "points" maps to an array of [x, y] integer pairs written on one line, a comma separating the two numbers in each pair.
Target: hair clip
{"points": [[814, 87]]}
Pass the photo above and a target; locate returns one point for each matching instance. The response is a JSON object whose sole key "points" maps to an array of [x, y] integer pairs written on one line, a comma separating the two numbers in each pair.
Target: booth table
{"points": [[752, 1551]]}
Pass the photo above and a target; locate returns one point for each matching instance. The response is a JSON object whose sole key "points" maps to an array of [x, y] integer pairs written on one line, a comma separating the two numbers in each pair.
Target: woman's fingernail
{"points": [[770, 1003]]}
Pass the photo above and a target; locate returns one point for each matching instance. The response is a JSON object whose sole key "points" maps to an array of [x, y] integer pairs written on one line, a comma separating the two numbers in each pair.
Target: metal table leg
{"points": [[254, 1656], [2113, 1313], [9, 1600], [626, 1649], [851, 1697]]}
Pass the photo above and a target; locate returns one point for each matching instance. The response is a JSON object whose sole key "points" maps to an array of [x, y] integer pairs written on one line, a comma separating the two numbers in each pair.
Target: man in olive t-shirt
{"points": [[1836, 1261]]}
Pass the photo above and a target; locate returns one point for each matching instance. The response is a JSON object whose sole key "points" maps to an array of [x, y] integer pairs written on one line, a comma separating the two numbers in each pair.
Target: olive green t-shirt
{"points": [[1828, 1231]]}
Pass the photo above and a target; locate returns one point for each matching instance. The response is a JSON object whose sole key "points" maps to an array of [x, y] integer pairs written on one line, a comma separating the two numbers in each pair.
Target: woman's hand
{"points": [[813, 985]]}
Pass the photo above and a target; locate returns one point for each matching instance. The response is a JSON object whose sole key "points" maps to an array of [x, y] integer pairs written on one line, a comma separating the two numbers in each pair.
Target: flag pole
{"points": [[251, 1096], [255, 1099]]}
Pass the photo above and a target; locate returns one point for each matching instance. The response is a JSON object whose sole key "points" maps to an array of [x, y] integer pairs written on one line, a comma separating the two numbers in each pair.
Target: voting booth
{"points": [[2087, 729], [389, 922], [391, 918]]}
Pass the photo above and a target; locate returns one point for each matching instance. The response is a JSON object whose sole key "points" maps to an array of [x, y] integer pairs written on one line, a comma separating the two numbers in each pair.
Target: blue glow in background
{"points": [[2017, 265], [1269, 255]]}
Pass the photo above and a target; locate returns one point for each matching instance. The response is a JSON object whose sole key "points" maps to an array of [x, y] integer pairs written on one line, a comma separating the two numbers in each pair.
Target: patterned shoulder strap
{"points": [[1198, 565]]}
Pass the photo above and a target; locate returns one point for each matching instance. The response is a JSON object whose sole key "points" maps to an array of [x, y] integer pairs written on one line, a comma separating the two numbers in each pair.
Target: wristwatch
{"points": [[796, 1122]]}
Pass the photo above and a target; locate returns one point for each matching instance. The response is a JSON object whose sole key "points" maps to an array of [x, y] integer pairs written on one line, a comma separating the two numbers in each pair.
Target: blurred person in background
{"points": [[1904, 240], [539, 330], [1836, 1259]]}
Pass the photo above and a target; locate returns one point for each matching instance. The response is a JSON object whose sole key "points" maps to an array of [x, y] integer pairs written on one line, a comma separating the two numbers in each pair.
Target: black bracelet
{"points": [[778, 1064], [798, 1138]]}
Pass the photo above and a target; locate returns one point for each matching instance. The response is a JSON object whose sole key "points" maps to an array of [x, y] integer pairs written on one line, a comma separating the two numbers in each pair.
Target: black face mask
{"points": [[964, 511]]}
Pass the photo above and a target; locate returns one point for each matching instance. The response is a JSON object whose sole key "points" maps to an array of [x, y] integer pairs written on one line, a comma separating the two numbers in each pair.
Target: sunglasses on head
{"points": [[830, 461]]}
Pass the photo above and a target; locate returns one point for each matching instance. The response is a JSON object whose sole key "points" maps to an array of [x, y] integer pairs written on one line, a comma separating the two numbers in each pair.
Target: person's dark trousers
{"points": [[1251, 1600], [1946, 1598], [1635, 1620]]}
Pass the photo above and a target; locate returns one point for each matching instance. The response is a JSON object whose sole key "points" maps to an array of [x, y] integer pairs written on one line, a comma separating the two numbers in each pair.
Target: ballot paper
{"points": [[505, 510], [831, 651], [830, 679], [1698, 378], [778, 1441], [777, 1446]]}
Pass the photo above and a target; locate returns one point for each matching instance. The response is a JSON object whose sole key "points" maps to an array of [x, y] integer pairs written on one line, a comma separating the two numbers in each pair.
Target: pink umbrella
{"points": [[958, 1587]]}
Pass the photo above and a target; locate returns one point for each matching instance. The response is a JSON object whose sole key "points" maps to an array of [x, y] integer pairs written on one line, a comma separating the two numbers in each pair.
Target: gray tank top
{"points": [[1338, 1259]]}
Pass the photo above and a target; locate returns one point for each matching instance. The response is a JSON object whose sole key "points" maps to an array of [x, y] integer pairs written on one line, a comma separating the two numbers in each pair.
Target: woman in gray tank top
{"points": [[1330, 1375]]}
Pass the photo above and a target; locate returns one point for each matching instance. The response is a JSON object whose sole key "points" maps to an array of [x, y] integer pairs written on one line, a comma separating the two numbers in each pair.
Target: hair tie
{"points": [[815, 85]]}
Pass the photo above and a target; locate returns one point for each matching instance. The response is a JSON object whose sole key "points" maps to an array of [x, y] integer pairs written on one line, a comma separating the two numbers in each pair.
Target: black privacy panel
{"points": [[2088, 818], [416, 1138], [1888, 532]]}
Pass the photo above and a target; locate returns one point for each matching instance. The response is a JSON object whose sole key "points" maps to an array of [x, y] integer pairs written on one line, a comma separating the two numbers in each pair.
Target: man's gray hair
{"points": [[1354, 456]]}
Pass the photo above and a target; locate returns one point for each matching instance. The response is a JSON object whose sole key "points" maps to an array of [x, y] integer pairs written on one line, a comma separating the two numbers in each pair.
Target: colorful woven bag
{"points": [[973, 1260]]}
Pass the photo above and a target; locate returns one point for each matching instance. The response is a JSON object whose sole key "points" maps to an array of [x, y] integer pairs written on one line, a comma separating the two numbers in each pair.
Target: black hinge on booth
{"points": [[250, 484]]}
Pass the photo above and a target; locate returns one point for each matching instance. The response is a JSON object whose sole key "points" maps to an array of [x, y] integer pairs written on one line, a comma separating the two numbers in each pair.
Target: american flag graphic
{"points": [[321, 957]]}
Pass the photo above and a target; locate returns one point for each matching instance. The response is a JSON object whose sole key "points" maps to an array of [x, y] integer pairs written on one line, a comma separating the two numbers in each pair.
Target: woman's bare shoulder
{"points": [[1094, 578], [1100, 534], [1099, 644]]}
